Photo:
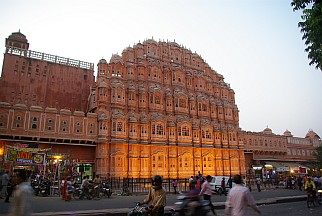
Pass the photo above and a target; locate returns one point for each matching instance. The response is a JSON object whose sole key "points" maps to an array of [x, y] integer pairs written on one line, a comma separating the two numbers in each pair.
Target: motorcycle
{"points": [[105, 190], [139, 210], [144, 210], [319, 196], [184, 206], [35, 186], [44, 188]]}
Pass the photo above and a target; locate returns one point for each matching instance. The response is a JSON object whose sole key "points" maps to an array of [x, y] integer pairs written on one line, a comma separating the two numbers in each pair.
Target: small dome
{"points": [[267, 131], [116, 59], [287, 133], [18, 36], [311, 134], [102, 61]]}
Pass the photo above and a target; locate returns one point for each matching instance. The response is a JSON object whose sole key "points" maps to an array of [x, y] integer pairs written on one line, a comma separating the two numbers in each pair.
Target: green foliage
{"points": [[318, 156], [311, 27]]}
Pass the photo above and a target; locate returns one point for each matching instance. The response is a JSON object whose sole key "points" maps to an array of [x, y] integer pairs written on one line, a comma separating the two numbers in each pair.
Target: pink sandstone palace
{"points": [[156, 109]]}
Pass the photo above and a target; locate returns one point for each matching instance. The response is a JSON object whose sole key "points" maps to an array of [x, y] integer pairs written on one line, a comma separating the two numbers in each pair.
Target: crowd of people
{"points": [[239, 197]]}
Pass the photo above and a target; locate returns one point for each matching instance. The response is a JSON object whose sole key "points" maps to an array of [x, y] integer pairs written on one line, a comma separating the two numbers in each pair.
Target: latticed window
{"points": [[157, 99], [204, 107], [208, 134], [119, 126], [182, 103], [160, 130], [185, 131], [153, 129], [114, 126]]}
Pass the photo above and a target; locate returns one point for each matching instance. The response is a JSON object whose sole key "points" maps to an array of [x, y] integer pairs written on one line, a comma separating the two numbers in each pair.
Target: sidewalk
{"points": [[124, 211]]}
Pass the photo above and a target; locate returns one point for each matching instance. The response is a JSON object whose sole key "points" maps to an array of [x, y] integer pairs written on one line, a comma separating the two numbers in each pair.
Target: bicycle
{"points": [[311, 199]]}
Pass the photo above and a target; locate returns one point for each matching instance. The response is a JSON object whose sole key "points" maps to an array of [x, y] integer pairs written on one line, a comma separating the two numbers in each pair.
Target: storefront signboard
{"points": [[282, 169]]}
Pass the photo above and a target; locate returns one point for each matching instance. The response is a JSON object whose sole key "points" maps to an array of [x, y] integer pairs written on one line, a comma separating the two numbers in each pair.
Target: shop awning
{"points": [[284, 166]]}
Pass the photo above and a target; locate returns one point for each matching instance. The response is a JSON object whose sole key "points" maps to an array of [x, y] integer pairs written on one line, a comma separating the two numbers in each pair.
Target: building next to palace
{"points": [[156, 109]]}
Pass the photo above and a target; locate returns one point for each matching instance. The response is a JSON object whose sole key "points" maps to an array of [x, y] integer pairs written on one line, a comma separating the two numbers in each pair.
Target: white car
{"points": [[215, 184]]}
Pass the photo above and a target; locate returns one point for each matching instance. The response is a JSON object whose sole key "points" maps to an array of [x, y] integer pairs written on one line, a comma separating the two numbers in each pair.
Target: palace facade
{"points": [[156, 109]]}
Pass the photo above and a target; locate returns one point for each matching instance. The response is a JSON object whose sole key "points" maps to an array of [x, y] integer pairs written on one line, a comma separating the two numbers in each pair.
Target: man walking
{"points": [[239, 198], [206, 192], [4, 184]]}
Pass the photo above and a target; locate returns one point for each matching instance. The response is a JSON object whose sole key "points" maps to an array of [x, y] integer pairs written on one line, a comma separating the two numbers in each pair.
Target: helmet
{"points": [[157, 180]]}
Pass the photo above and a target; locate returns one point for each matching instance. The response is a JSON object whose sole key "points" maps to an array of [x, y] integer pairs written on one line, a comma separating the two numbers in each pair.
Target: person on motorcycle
{"points": [[194, 198], [157, 196], [85, 187], [310, 187]]}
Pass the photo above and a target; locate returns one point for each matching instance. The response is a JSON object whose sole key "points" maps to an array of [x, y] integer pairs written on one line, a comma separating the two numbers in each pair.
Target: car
{"points": [[215, 184]]}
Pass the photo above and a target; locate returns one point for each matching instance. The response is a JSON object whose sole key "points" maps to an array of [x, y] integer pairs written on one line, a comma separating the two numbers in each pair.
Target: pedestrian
{"points": [[207, 192], [239, 198], [69, 189], [10, 188], [198, 182], [157, 196], [201, 177], [22, 201], [63, 188], [223, 185], [191, 185], [4, 184], [230, 182], [249, 184], [300, 183], [264, 181], [258, 184], [97, 181], [174, 184]]}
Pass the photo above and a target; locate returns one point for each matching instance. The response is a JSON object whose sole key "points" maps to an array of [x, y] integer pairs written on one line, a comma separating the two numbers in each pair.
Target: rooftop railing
{"points": [[50, 58]]}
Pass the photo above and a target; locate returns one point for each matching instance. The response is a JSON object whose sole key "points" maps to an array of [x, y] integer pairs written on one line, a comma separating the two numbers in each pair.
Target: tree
{"points": [[311, 27], [318, 157]]}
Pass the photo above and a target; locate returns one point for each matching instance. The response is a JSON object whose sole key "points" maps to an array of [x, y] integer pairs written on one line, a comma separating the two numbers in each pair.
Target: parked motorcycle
{"points": [[35, 186], [44, 188], [105, 190]]}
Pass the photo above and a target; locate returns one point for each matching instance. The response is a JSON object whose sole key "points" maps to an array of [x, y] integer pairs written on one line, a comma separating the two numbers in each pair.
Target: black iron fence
{"points": [[142, 185]]}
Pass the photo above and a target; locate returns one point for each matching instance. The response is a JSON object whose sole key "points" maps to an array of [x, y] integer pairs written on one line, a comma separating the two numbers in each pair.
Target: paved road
{"points": [[283, 209], [55, 204]]}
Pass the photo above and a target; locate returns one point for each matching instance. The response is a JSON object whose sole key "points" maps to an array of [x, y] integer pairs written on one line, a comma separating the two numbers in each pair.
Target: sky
{"points": [[255, 44]]}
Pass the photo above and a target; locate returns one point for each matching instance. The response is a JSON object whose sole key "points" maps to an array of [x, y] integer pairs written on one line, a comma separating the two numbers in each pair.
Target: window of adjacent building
{"points": [[35, 119], [34, 126], [18, 118], [77, 123]]}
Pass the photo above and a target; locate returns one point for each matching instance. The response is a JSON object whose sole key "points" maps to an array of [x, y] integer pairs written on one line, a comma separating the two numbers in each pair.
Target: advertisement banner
{"points": [[25, 158]]}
